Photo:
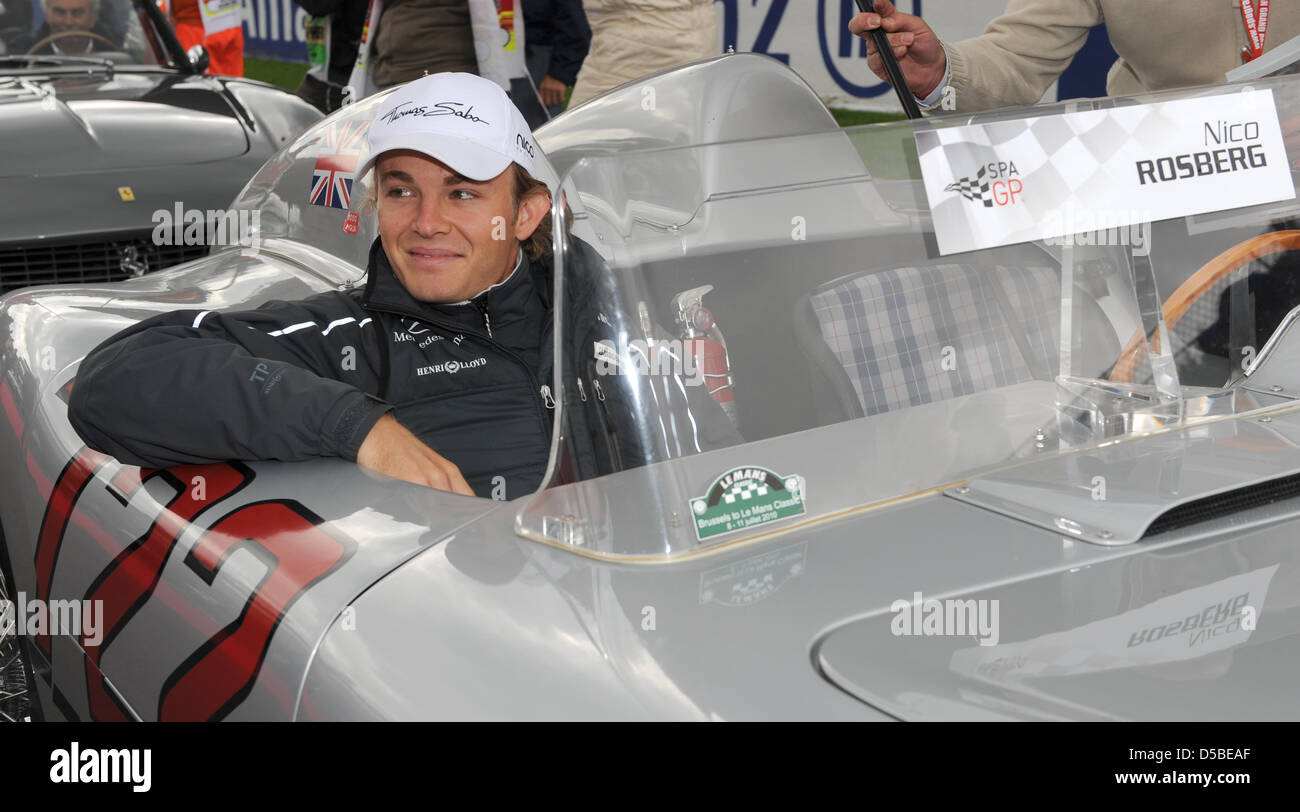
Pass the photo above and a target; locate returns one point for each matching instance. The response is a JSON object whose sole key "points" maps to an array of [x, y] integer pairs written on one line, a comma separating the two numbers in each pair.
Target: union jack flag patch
{"points": [[331, 180]]}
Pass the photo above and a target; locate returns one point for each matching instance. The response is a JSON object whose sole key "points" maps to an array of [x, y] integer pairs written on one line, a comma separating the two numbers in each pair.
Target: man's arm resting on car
{"points": [[391, 449], [193, 387]]}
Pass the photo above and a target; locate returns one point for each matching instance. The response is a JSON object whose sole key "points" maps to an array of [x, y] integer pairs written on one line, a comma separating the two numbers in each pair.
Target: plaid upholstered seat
{"points": [[909, 336]]}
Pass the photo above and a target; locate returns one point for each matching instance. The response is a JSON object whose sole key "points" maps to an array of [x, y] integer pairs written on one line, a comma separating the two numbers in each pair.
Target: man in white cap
{"points": [[436, 372]]}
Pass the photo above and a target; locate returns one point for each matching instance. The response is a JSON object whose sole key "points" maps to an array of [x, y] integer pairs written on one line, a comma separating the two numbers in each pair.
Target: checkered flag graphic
{"points": [[975, 189], [744, 490]]}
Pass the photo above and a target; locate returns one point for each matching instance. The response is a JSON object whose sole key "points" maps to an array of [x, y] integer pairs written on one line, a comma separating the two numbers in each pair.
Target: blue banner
{"points": [[813, 39], [274, 29]]}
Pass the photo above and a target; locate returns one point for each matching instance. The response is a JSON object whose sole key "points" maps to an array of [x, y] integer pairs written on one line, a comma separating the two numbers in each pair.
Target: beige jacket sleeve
{"points": [[632, 38], [1020, 54]]}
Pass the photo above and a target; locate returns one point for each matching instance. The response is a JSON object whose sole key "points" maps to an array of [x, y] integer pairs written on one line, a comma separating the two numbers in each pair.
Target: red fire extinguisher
{"points": [[702, 338]]}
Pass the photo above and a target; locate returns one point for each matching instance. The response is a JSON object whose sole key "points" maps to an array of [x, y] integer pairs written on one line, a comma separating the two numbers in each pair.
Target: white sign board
{"points": [[1051, 176]]}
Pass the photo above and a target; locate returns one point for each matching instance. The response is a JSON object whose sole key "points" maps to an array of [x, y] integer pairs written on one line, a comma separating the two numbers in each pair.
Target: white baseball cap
{"points": [[463, 120]]}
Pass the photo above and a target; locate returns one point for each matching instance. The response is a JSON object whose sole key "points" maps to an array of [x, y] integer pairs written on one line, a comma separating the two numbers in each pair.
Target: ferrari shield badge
{"points": [[744, 498]]}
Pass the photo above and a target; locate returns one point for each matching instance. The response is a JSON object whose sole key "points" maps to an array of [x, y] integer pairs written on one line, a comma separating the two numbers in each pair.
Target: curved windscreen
{"points": [[758, 335], [309, 191]]}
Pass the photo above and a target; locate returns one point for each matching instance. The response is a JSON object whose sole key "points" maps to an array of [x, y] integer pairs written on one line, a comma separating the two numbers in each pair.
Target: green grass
{"points": [[855, 118], [285, 74]]}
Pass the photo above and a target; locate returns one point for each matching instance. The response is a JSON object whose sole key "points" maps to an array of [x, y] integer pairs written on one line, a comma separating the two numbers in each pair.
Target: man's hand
{"points": [[551, 91], [391, 449], [915, 45]]}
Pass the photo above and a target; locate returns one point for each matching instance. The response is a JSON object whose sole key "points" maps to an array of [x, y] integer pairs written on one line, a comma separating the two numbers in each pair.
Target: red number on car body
{"points": [[217, 676]]}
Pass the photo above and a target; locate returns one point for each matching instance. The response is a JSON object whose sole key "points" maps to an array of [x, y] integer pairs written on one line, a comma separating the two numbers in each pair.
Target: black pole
{"points": [[170, 42], [895, 73]]}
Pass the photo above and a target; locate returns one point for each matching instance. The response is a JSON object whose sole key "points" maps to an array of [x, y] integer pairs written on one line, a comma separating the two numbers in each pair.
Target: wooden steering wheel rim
{"points": [[1200, 283], [65, 34]]}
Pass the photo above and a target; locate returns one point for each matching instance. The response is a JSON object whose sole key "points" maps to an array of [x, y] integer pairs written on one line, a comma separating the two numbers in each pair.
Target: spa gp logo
{"points": [[995, 184]]}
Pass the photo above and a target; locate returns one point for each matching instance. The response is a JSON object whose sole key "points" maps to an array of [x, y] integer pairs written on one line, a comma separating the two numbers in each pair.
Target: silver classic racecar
{"points": [[1019, 419], [120, 156]]}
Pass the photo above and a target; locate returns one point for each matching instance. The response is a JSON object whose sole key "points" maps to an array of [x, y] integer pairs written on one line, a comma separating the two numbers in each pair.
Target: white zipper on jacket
{"points": [[483, 311]]}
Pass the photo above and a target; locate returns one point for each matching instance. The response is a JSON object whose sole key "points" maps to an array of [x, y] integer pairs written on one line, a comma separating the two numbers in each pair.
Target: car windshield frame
{"points": [[672, 213], [857, 195]]}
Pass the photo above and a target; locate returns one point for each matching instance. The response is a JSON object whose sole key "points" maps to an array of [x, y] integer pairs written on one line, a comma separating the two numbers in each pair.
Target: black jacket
{"points": [[347, 19], [294, 380], [562, 25]]}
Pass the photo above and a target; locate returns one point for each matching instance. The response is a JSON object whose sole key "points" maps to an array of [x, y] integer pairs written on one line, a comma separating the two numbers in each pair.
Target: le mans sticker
{"points": [[747, 497]]}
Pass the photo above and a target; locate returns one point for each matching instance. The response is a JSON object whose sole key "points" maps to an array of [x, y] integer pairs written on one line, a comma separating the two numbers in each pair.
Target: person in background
{"points": [[1162, 44], [217, 25], [631, 38], [402, 40], [557, 43], [63, 20], [333, 35], [415, 37]]}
